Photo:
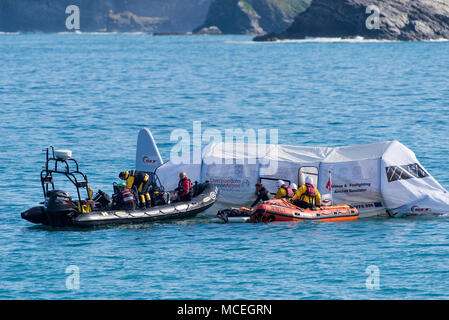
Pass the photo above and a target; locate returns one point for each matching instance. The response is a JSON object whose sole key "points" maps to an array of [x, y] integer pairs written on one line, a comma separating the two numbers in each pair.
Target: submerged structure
{"points": [[378, 178]]}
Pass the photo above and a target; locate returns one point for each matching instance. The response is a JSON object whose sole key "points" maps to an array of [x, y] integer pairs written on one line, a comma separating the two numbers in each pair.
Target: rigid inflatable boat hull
{"points": [[284, 210], [35, 215], [133, 217], [176, 210]]}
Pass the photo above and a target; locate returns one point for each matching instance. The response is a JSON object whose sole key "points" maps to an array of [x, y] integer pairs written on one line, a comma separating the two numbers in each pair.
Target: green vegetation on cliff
{"points": [[290, 7]]}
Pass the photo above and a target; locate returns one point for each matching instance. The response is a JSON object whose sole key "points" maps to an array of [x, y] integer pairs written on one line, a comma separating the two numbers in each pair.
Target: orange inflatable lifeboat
{"points": [[284, 210]]}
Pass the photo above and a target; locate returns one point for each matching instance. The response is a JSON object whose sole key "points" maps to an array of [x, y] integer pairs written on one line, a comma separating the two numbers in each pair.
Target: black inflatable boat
{"points": [[59, 210]]}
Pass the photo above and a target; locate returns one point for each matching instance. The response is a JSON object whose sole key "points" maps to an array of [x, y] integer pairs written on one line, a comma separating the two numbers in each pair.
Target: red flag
{"points": [[329, 183]]}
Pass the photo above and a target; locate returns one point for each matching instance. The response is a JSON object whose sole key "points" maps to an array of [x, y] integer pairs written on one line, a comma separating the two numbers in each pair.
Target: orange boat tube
{"points": [[284, 210]]}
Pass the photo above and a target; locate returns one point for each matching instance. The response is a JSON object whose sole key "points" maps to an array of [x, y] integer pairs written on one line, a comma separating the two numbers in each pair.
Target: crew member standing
{"points": [[138, 181], [261, 193]]}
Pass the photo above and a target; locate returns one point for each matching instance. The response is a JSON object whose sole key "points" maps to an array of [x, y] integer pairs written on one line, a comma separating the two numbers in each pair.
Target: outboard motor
{"points": [[60, 208]]}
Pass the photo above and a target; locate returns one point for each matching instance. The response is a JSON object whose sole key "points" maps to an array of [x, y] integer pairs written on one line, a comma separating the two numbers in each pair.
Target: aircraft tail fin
{"points": [[148, 157]]}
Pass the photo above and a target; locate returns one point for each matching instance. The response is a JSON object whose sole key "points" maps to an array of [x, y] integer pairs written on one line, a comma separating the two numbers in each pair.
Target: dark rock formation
{"points": [[252, 16], [182, 15], [129, 22], [95, 15], [232, 17], [209, 30], [397, 20], [50, 16]]}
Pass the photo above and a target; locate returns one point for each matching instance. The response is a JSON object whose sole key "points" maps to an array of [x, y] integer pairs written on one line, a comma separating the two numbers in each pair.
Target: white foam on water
{"points": [[437, 40], [337, 39], [329, 40], [101, 33]]}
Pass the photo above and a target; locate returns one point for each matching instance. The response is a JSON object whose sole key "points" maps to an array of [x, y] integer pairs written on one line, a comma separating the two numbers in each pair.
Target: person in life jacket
{"points": [[284, 191], [139, 182], [294, 188], [126, 197], [261, 193], [184, 189], [307, 195]]}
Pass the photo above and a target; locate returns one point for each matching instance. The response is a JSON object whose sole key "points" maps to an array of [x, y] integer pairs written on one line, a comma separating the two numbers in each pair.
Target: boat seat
{"points": [[198, 188]]}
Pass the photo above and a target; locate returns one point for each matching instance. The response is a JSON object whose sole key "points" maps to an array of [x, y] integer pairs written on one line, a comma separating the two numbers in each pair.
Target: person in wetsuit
{"points": [[139, 182], [261, 193]]}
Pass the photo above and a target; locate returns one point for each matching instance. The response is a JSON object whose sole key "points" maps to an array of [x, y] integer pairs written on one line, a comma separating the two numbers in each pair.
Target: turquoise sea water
{"points": [[91, 93]]}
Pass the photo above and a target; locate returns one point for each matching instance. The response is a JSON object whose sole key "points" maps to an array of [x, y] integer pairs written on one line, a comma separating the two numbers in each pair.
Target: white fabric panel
{"points": [[231, 178], [358, 152], [168, 173], [437, 203], [235, 181], [354, 182], [299, 154], [406, 184]]}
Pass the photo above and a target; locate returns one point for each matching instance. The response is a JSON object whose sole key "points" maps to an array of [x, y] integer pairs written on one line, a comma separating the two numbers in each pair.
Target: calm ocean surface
{"points": [[92, 93]]}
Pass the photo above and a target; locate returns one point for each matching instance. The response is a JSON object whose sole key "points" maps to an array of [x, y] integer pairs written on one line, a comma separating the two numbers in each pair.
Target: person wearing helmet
{"points": [[127, 197], [294, 188], [138, 181], [184, 190], [284, 191], [121, 185], [307, 195], [261, 193]]}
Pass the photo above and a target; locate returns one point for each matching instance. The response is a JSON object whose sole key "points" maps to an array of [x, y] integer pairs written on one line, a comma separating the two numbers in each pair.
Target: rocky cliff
{"points": [[371, 19], [103, 15], [252, 16]]}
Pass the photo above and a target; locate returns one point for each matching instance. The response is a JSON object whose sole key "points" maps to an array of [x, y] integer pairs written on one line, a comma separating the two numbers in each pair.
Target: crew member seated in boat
{"points": [[184, 190], [307, 196], [261, 193], [138, 181], [284, 191], [294, 188]]}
